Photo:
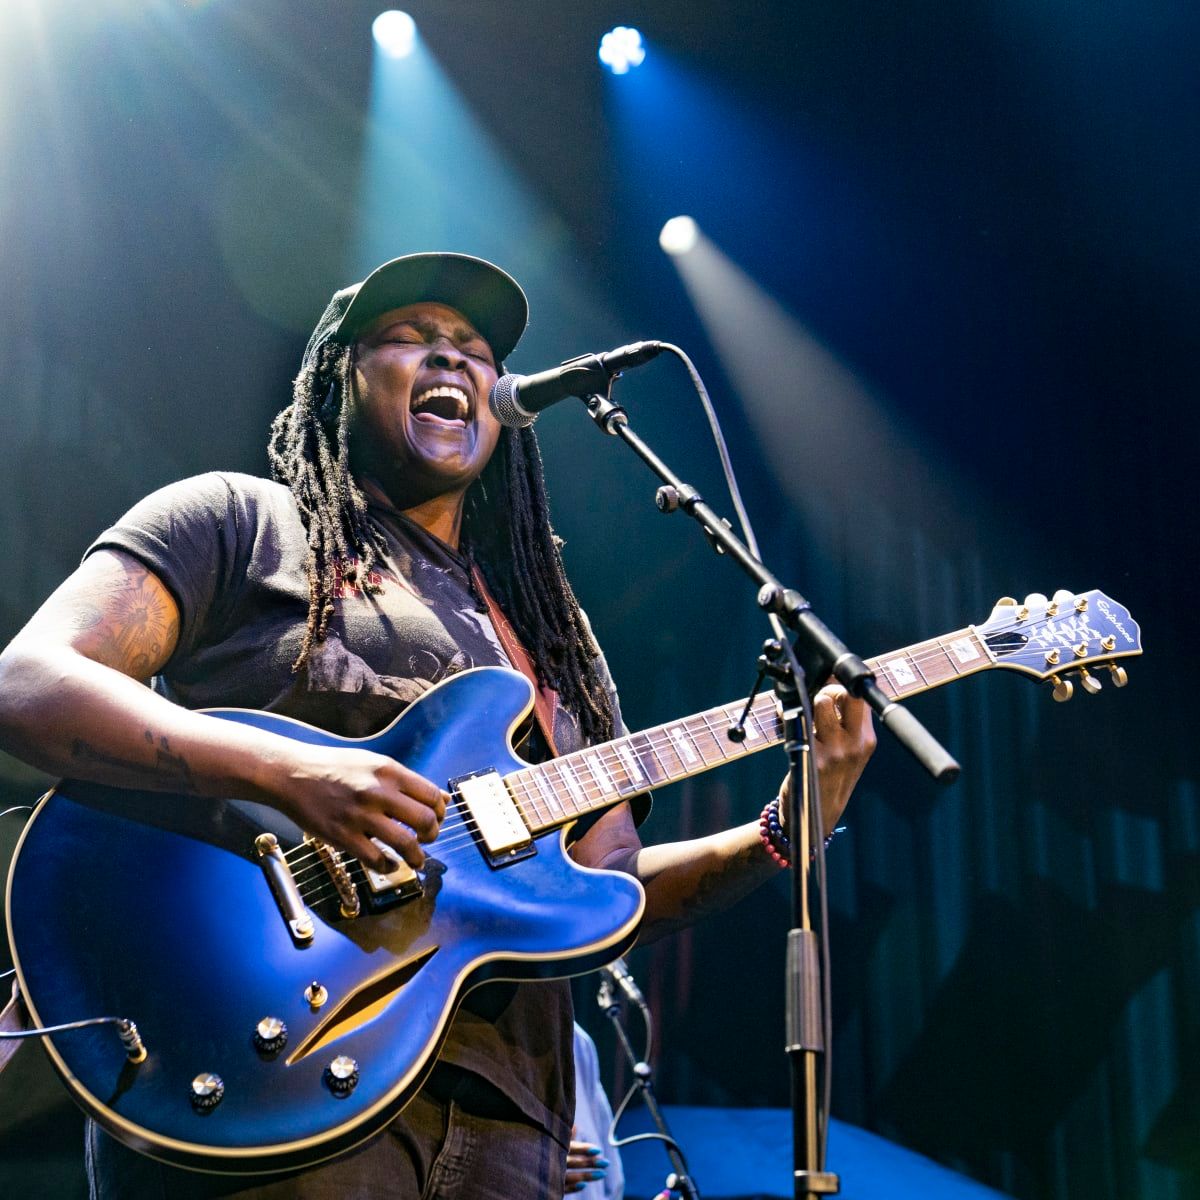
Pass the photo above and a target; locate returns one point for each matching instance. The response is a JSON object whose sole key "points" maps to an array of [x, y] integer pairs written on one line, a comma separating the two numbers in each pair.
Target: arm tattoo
{"points": [[131, 625], [167, 766]]}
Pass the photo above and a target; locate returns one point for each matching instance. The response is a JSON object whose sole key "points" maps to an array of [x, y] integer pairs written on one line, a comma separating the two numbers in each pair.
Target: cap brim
{"points": [[488, 297]]}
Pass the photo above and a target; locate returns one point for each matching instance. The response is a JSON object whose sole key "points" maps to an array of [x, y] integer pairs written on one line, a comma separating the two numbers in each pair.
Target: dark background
{"points": [[986, 212]]}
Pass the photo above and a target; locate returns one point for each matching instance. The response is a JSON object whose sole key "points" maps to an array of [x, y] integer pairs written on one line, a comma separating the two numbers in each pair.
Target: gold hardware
{"points": [[1006, 601], [1109, 643], [1051, 658], [316, 994], [1080, 650], [1023, 613], [1081, 604], [1064, 689], [1120, 676], [1090, 683], [1052, 609]]}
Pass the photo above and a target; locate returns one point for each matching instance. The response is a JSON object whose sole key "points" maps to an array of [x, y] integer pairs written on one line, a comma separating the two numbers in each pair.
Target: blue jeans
{"points": [[435, 1150]]}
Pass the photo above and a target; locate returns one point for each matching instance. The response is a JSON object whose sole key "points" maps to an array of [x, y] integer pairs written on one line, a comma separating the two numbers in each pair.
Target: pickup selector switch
{"points": [[270, 1035], [342, 1075], [207, 1090]]}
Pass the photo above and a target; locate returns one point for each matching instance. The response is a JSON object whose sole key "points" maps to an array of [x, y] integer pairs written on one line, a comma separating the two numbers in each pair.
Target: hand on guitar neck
{"points": [[844, 739]]}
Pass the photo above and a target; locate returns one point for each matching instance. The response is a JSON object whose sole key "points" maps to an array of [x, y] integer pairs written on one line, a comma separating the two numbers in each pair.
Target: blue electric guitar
{"points": [[288, 1002]]}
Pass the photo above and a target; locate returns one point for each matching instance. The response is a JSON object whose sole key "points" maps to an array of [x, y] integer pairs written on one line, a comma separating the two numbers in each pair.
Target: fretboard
{"points": [[555, 792]]}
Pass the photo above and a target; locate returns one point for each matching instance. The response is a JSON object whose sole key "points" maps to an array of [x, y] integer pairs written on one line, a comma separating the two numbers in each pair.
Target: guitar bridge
{"points": [[499, 827]]}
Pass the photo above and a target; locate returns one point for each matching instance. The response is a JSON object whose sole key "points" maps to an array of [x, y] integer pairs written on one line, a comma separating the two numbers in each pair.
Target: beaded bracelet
{"points": [[775, 841]]}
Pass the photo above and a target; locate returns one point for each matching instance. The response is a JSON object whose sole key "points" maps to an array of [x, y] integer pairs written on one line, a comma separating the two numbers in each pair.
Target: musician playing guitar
{"points": [[337, 594]]}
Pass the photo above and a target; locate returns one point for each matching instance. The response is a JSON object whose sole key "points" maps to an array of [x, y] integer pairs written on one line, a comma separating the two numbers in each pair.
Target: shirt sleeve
{"points": [[186, 533]]}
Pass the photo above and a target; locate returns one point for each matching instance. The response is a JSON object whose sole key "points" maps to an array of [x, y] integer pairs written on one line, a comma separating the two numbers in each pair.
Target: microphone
{"points": [[516, 400], [618, 972]]}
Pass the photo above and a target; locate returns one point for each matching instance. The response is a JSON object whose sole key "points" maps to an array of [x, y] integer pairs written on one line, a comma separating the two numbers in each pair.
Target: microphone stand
{"points": [[815, 653], [679, 1180]]}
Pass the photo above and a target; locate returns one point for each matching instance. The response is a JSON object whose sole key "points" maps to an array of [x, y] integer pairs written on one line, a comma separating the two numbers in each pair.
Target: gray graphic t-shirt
{"points": [[231, 549]]}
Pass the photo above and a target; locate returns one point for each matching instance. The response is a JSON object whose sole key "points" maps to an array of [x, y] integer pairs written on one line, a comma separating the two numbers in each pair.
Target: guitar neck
{"points": [[556, 792]]}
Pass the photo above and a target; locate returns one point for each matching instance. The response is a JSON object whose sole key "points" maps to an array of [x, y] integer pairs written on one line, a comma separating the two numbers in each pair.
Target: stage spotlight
{"points": [[621, 49], [679, 235], [395, 33]]}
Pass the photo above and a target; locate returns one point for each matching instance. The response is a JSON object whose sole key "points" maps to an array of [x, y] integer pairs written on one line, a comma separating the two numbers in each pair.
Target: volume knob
{"points": [[342, 1075], [207, 1090], [270, 1035]]}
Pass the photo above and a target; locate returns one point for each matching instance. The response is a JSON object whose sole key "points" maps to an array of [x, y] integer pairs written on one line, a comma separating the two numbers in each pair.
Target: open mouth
{"points": [[443, 405]]}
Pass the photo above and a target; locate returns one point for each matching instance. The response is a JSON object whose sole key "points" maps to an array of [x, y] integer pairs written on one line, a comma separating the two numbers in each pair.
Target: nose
{"points": [[445, 354]]}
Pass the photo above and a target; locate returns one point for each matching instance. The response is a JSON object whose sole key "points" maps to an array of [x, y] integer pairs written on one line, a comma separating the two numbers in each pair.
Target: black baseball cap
{"points": [[490, 298]]}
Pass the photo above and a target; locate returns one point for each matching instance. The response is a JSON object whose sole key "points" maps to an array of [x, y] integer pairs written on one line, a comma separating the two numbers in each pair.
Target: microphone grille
{"points": [[502, 400]]}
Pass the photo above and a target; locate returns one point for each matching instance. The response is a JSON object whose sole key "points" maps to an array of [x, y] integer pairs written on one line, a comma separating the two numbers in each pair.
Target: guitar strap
{"points": [[13, 1019], [545, 699]]}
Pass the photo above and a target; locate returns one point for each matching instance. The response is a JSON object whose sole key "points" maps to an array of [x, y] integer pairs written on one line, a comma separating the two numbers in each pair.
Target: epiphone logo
{"points": [[1114, 620]]}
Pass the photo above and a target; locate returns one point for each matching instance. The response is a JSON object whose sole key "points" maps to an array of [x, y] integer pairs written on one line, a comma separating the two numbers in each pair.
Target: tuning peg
{"points": [[1064, 689], [1062, 596], [1120, 677], [1090, 683], [1006, 602]]}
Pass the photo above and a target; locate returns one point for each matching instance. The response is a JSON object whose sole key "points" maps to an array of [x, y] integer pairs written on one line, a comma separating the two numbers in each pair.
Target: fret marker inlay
{"points": [[632, 767], [900, 670], [964, 650], [683, 744]]}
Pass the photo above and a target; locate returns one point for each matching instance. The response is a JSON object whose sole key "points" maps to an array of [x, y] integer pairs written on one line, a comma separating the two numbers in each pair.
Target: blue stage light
{"points": [[679, 235], [621, 49], [395, 33]]}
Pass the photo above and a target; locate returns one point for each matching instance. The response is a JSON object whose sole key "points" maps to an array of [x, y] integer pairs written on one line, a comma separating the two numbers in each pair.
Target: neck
{"points": [[439, 515]]}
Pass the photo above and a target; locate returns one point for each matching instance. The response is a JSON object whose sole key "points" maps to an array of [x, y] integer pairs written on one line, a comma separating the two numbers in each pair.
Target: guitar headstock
{"points": [[1067, 634]]}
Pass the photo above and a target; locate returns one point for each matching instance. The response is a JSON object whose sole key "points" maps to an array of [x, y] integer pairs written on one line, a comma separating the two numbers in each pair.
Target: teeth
{"points": [[446, 392]]}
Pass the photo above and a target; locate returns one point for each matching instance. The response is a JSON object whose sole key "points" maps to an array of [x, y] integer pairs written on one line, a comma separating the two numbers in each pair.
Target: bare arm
{"points": [[73, 701], [684, 881]]}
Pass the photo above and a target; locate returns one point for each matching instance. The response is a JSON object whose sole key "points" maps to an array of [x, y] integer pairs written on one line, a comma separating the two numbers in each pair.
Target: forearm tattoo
{"points": [[167, 766]]}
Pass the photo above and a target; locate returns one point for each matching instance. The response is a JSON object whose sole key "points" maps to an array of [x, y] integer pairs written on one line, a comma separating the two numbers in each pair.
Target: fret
{"points": [[631, 763], [600, 773], [548, 797], [902, 672], [937, 662], [567, 773], [964, 650], [708, 741], [666, 753], [651, 763], [685, 748], [525, 797], [626, 784], [559, 798]]}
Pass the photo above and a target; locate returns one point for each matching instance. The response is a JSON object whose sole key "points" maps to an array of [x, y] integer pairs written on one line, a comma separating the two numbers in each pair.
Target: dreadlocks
{"points": [[506, 530]]}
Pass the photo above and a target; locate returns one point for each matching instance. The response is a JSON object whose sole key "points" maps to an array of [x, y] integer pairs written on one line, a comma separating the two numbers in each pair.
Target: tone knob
{"points": [[270, 1035], [207, 1090], [342, 1075]]}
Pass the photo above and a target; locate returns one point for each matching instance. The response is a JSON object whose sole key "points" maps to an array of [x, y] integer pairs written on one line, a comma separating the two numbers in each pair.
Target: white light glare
{"points": [[622, 48], [679, 235], [395, 33]]}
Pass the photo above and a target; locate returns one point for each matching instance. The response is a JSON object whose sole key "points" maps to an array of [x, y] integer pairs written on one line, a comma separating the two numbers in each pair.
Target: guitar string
{"points": [[923, 653], [593, 790], [936, 649], [459, 834]]}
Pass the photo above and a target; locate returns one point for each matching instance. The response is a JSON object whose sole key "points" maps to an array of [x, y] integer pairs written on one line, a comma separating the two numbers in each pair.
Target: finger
{"points": [[828, 709], [417, 816], [421, 789], [397, 835]]}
